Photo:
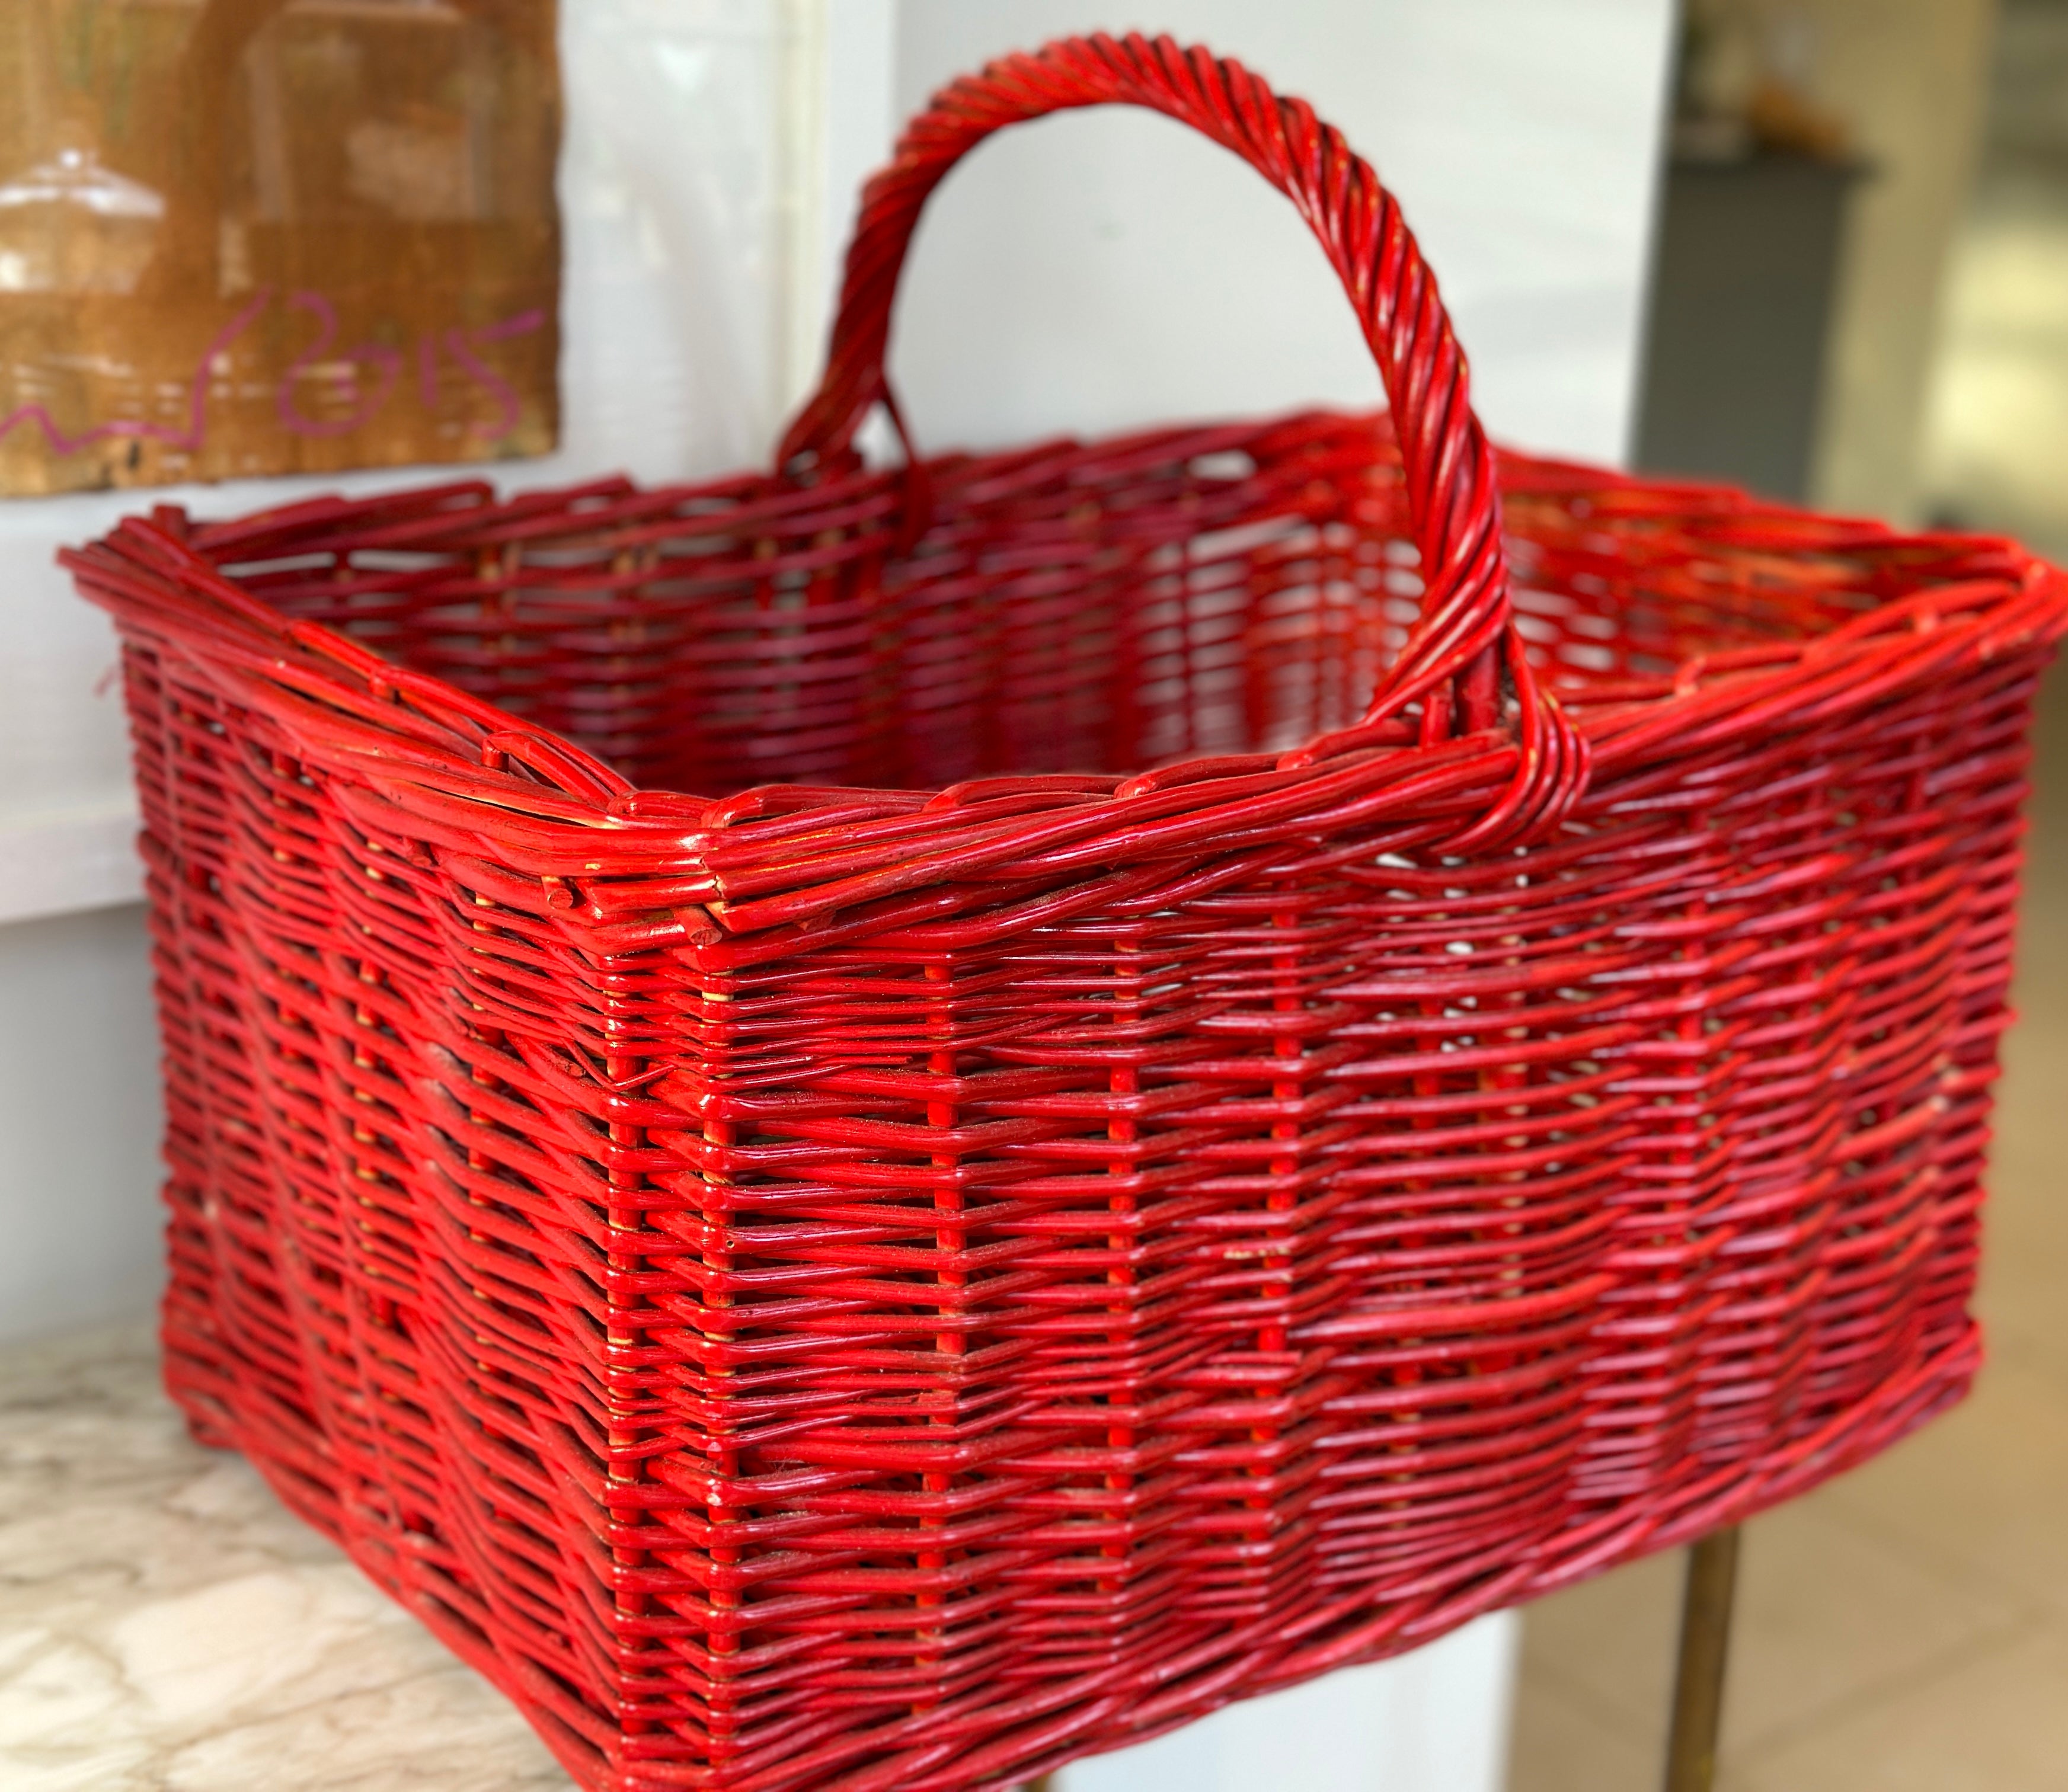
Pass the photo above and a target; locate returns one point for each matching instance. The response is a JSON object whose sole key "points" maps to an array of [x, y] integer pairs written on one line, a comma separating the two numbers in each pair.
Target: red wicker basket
{"points": [[1260, 1038]]}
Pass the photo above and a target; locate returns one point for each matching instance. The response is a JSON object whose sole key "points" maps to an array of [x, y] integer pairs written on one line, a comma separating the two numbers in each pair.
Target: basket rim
{"points": [[469, 770]]}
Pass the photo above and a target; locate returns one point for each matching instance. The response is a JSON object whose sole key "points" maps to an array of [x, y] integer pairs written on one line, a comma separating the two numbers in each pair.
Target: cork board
{"points": [[244, 237]]}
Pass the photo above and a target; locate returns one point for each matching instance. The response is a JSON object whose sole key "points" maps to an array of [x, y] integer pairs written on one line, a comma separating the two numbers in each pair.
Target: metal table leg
{"points": [[1705, 1640]]}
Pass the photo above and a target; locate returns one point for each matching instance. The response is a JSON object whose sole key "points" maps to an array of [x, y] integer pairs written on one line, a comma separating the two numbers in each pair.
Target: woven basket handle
{"points": [[1452, 500]]}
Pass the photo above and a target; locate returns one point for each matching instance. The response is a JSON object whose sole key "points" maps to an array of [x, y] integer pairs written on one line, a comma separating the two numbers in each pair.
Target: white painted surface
{"points": [[79, 1231], [845, 119], [64, 861], [1109, 268], [1435, 1721]]}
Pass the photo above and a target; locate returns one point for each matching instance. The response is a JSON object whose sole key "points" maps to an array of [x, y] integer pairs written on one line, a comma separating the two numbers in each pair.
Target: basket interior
{"points": [[1093, 609]]}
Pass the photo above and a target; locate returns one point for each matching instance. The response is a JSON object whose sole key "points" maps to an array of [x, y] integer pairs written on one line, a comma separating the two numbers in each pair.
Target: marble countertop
{"points": [[166, 1626]]}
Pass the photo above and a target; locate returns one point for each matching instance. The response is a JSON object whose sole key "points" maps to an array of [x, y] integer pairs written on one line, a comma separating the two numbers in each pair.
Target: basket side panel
{"points": [[1931, 1006], [1209, 589], [1039, 1290], [705, 639], [371, 1296], [556, 1348], [234, 1356], [1990, 800], [1212, 591], [1001, 1276]]}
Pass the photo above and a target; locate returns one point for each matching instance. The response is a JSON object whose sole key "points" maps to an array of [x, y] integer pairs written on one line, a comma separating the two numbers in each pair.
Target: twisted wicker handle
{"points": [[1451, 497]]}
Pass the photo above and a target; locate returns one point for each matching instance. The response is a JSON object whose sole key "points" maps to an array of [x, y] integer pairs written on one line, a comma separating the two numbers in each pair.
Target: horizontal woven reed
{"points": [[877, 1128]]}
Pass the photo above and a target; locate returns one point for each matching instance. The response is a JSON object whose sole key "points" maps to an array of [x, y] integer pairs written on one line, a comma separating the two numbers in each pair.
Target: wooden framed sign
{"points": [[243, 237]]}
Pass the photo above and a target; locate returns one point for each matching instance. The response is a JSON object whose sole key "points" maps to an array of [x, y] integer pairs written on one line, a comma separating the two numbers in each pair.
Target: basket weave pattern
{"points": [[1257, 1039]]}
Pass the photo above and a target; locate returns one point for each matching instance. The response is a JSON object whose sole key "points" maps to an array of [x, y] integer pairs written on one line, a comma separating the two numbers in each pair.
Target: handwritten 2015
{"points": [[464, 347]]}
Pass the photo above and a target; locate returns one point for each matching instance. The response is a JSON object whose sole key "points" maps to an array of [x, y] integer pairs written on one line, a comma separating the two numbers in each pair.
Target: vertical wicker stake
{"points": [[1705, 1641]]}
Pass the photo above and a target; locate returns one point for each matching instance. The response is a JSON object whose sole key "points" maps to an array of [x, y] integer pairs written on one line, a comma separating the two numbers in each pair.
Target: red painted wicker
{"points": [[1298, 1036]]}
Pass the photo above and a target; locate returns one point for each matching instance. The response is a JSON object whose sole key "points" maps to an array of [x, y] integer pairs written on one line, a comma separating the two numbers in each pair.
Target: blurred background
{"points": [[1860, 298], [1857, 285]]}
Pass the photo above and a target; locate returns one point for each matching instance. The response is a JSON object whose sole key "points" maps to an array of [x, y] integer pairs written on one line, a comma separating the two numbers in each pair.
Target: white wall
{"points": [[1108, 268], [1435, 1721], [79, 1121]]}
